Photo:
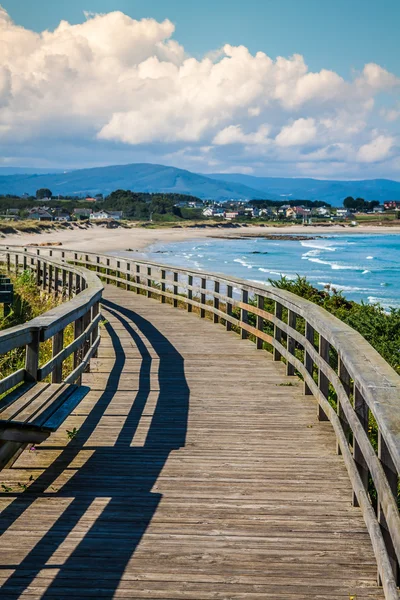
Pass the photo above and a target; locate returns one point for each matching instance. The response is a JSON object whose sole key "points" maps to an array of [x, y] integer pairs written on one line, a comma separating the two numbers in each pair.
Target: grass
{"points": [[30, 302]]}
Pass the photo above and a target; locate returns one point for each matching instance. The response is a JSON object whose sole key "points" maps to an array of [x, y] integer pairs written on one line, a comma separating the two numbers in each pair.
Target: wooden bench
{"points": [[29, 414], [32, 412]]}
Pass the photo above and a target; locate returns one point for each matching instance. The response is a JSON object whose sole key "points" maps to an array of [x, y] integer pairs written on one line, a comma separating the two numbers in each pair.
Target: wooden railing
{"points": [[355, 389], [83, 290]]}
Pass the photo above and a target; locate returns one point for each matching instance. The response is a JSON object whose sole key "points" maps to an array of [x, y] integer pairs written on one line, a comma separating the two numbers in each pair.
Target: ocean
{"points": [[364, 267]]}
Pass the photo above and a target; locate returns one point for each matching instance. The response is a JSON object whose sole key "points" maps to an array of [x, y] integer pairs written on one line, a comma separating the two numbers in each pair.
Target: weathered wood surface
{"points": [[196, 474]]}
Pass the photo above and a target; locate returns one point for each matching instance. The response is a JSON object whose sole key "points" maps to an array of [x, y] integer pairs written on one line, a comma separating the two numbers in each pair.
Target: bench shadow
{"points": [[118, 478]]}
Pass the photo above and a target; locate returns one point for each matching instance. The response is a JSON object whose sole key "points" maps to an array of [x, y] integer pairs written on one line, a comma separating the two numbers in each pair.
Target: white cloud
{"points": [[377, 150], [298, 133], [123, 86], [235, 135]]}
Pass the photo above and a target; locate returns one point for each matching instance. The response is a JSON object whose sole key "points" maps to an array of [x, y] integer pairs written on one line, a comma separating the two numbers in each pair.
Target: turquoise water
{"points": [[365, 267]]}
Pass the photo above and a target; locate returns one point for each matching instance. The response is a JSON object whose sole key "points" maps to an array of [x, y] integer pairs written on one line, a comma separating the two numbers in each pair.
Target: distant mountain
{"points": [[26, 170], [333, 192], [158, 178], [137, 177]]}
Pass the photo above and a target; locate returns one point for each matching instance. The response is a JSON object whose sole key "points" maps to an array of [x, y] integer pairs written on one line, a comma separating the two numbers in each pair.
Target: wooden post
{"points": [[291, 342], [260, 321], [391, 475], [323, 381], [44, 275], [8, 262], [38, 272], [345, 380], [25, 263], [176, 278], [56, 280], [32, 357], [86, 345], [128, 275], [244, 315], [362, 411], [118, 273], [190, 293], [149, 281], [138, 279], [78, 329], [16, 265], [216, 301], [50, 282], [229, 294], [163, 285], [277, 331], [77, 284], [95, 333], [70, 284], [308, 361], [58, 344], [203, 297], [97, 264], [108, 281]]}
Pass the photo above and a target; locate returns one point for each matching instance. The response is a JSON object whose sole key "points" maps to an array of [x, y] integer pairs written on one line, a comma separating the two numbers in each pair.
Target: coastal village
{"points": [[53, 209]]}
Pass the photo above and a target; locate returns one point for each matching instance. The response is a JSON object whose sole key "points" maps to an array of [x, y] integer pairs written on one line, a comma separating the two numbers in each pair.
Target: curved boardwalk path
{"points": [[199, 472]]}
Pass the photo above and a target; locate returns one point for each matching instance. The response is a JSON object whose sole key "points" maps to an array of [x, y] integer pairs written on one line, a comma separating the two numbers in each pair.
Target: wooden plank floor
{"points": [[196, 474]]}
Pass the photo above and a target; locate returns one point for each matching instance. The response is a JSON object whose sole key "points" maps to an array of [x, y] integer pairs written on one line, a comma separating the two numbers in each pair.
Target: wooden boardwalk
{"points": [[200, 472]]}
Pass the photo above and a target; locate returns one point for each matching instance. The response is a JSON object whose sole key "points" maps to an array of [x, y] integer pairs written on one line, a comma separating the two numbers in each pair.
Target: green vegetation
{"points": [[359, 204], [380, 328], [157, 207], [29, 302]]}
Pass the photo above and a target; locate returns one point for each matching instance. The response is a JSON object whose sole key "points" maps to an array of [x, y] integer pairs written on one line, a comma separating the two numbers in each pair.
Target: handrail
{"points": [[83, 290], [333, 359]]}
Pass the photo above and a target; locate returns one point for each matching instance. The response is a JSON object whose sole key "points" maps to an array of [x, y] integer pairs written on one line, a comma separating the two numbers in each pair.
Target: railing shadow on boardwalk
{"points": [[126, 483]]}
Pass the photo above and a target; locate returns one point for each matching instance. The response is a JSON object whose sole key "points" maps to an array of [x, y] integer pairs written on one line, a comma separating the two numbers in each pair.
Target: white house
{"points": [[343, 213]]}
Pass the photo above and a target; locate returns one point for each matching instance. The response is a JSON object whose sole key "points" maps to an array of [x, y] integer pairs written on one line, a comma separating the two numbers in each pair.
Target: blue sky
{"points": [[200, 85]]}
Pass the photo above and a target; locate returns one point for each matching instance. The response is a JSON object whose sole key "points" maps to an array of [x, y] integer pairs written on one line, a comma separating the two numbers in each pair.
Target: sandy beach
{"points": [[99, 239]]}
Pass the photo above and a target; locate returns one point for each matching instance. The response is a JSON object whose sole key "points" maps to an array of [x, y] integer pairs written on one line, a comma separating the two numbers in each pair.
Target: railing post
{"points": [[44, 274], [58, 343], [308, 361], [38, 273], [56, 280], [190, 293], [345, 380], [118, 273], [176, 277], [70, 284], [78, 329], [277, 331], [50, 282], [128, 275], [149, 281], [392, 478], [291, 342], [137, 279], [203, 297], [77, 284], [323, 381], [32, 357], [86, 345], [95, 332], [362, 411], [216, 301], [108, 280], [8, 262], [97, 264], [244, 315], [229, 306], [25, 263], [260, 321], [16, 265], [163, 285]]}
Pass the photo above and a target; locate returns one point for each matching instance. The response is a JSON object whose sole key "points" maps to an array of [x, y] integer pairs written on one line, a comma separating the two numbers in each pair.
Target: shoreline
{"points": [[137, 239]]}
